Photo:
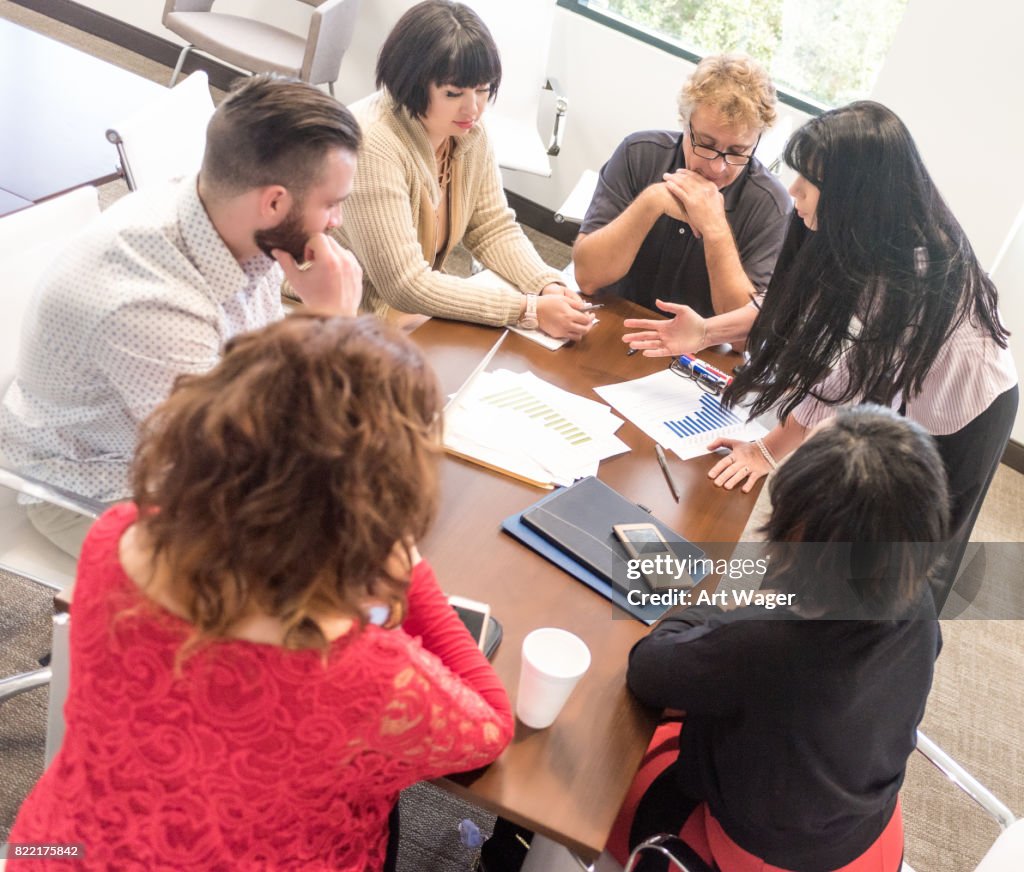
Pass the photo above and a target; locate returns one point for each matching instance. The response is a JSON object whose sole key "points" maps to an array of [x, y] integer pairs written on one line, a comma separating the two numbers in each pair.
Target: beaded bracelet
{"points": [[772, 462]]}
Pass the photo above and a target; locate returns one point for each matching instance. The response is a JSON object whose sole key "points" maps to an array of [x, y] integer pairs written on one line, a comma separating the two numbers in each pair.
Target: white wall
{"points": [[1008, 273], [953, 75]]}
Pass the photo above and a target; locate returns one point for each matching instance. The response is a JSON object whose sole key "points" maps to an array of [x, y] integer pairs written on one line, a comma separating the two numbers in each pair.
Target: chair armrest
{"points": [[24, 681], [330, 34], [1006, 853], [185, 6], [665, 844], [964, 780], [49, 493], [561, 109]]}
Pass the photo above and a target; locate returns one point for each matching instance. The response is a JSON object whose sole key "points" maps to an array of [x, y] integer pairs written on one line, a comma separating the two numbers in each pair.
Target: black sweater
{"points": [[797, 731]]}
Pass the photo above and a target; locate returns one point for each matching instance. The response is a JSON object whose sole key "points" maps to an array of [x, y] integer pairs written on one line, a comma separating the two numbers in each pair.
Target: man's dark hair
{"points": [[887, 252], [859, 515], [441, 43], [272, 130]]}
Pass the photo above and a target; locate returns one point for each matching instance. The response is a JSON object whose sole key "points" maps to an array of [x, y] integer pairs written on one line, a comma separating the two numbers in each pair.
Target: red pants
{"points": [[707, 838]]}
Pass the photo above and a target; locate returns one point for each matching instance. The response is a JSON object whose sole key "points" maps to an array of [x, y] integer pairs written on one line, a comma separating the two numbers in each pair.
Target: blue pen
{"points": [[699, 367]]}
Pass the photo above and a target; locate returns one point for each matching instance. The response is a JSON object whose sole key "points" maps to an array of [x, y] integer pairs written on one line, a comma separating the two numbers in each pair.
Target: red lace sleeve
{"points": [[431, 619]]}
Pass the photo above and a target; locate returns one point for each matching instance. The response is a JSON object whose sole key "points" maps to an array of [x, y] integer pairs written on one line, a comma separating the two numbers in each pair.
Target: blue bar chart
{"points": [[677, 414], [709, 417]]}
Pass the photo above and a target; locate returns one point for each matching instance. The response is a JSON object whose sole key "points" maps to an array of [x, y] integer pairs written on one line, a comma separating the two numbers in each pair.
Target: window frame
{"points": [[801, 103]]}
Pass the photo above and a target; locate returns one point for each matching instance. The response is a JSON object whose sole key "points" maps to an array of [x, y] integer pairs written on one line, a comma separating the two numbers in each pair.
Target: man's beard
{"points": [[290, 235]]}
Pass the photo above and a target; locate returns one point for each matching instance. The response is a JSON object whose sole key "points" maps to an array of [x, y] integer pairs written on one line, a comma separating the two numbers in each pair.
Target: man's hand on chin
{"points": [[702, 201], [331, 278]]}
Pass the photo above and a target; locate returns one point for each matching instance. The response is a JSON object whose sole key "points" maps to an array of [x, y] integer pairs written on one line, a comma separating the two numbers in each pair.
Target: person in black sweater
{"points": [[799, 721]]}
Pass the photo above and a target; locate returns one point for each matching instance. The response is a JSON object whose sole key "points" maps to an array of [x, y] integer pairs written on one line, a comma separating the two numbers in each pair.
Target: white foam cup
{"points": [[553, 660]]}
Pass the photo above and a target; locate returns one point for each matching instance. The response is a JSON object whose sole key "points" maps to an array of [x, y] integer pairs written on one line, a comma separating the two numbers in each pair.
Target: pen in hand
{"points": [[663, 463]]}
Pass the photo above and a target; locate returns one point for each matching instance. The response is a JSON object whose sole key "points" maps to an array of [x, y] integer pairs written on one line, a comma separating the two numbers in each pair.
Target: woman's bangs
{"points": [[472, 62], [803, 154]]}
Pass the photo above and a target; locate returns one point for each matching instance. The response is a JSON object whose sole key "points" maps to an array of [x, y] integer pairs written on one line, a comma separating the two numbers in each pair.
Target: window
{"points": [[821, 53]]}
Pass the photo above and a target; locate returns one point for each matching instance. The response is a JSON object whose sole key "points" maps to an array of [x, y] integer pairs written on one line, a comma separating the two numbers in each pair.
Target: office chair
{"points": [[56, 675], [669, 847], [1005, 855], [522, 31], [574, 209], [167, 138], [262, 48], [28, 240], [1007, 852]]}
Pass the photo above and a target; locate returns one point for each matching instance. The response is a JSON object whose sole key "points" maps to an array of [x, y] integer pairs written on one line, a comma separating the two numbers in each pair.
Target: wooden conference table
{"points": [[57, 103], [568, 781]]}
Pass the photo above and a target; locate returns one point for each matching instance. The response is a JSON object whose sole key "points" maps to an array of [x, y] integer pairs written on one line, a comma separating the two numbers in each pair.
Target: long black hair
{"points": [[889, 271]]}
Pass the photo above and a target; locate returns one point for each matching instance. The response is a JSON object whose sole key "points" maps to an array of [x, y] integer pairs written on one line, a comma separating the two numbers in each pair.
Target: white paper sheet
{"points": [[676, 413], [521, 423]]}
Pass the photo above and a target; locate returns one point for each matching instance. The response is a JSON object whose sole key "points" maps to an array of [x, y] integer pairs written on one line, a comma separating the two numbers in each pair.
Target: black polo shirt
{"points": [[670, 264]]}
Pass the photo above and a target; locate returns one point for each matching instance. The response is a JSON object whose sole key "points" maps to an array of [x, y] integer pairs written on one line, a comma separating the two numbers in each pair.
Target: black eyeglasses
{"points": [[706, 152], [705, 381]]}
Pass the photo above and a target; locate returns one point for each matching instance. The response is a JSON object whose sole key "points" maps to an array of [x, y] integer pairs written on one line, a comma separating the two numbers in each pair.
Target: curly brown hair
{"points": [[281, 480]]}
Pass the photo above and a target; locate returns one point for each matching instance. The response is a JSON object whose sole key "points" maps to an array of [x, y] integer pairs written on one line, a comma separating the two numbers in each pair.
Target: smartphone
{"points": [[645, 543], [476, 616]]}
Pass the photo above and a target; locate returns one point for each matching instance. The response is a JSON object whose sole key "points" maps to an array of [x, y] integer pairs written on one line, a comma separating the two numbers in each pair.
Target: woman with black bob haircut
{"points": [[877, 297], [428, 180], [799, 720]]}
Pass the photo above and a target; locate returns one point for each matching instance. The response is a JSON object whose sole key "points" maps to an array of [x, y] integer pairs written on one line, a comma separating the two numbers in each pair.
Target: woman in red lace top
{"points": [[232, 705]]}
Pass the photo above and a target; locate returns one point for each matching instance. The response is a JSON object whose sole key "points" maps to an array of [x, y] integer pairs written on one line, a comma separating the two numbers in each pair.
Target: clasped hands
{"points": [[687, 196]]}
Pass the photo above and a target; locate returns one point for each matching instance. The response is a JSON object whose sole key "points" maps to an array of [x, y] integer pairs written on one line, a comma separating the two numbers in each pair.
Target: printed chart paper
{"points": [[677, 414], [526, 426]]}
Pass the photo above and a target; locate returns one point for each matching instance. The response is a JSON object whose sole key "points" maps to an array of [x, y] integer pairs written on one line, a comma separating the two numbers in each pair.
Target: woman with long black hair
{"points": [[877, 297]]}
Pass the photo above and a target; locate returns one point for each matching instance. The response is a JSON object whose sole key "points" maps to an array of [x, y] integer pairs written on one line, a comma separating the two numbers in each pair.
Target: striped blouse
{"points": [[968, 373]]}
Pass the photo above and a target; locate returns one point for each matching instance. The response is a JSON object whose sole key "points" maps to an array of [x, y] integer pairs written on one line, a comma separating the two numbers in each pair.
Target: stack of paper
{"points": [[520, 424], [677, 414]]}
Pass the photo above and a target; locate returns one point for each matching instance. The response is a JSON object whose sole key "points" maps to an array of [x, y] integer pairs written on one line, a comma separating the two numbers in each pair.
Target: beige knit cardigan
{"points": [[390, 224]]}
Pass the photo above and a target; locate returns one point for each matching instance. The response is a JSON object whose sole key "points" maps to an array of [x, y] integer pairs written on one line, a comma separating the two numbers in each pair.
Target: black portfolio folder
{"points": [[578, 521]]}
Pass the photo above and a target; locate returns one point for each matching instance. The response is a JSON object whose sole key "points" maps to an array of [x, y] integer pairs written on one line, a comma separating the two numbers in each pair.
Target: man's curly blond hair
{"points": [[735, 85]]}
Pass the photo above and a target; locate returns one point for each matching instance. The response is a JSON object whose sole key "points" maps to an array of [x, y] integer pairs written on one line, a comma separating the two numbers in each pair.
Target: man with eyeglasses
{"points": [[693, 217]]}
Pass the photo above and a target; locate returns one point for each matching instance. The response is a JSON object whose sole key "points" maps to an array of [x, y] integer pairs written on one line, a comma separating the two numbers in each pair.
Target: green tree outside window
{"points": [[828, 50]]}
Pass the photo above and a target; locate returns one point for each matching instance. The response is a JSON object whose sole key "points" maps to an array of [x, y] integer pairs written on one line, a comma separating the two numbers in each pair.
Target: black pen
{"points": [[663, 463], [631, 352]]}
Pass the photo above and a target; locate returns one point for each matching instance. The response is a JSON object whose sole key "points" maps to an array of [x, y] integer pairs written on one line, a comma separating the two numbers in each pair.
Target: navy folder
{"points": [[572, 528]]}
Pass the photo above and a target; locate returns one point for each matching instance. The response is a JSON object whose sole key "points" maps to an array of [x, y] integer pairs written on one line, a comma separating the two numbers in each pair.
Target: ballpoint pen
{"points": [[663, 463]]}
